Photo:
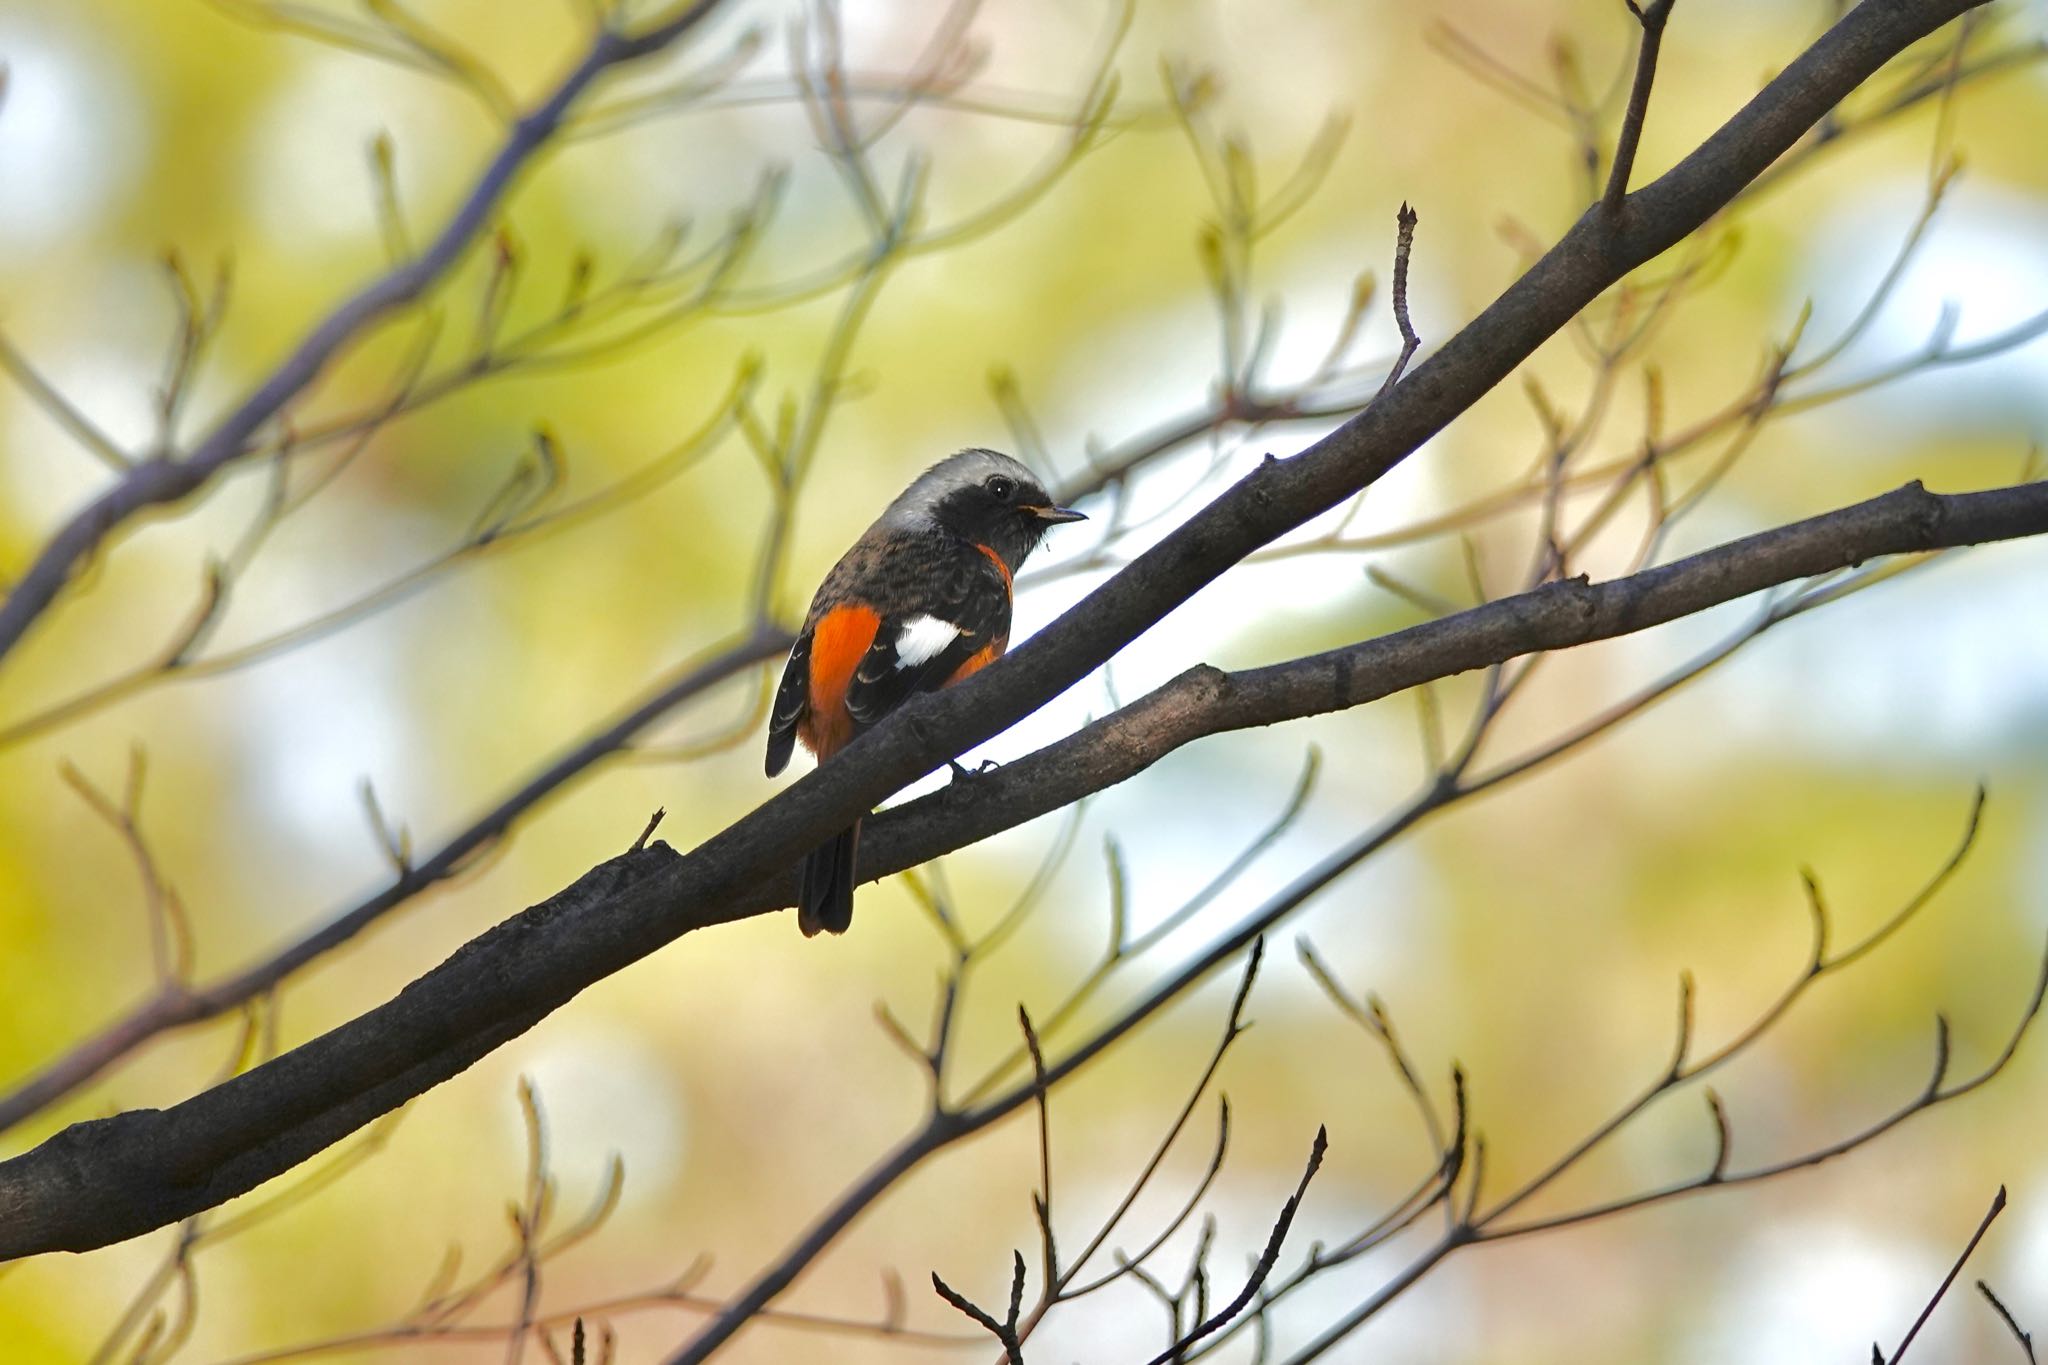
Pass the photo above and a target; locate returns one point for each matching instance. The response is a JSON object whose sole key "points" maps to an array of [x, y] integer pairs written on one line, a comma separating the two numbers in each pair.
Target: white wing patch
{"points": [[922, 639]]}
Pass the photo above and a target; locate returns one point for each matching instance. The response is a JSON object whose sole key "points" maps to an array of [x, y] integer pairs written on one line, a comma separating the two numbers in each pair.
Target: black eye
{"points": [[1000, 488]]}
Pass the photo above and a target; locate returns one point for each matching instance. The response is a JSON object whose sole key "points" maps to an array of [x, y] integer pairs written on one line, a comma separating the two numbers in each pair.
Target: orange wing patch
{"points": [[979, 660], [839, 642]]}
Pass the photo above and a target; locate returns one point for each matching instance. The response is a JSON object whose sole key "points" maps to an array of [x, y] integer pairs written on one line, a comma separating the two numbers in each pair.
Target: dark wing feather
{"points": [[879, 686], [974, 598], [792, 699]]}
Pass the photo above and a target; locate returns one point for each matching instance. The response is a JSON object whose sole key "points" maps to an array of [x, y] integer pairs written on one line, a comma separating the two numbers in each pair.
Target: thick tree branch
{"points": [[177, 1004], [1279, 496], [1205, 701], [114, 1178], [164, 480]]}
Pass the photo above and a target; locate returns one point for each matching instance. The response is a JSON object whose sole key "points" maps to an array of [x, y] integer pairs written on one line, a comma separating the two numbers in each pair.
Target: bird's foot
{"points": [[963, 774]]}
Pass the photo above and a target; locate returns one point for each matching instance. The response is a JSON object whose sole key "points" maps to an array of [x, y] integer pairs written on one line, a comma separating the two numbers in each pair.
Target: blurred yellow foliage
{"points": [[1535, 937]]}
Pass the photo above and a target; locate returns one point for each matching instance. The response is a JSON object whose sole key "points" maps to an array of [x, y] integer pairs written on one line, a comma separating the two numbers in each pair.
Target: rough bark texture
{"points": [[115, 1178]]}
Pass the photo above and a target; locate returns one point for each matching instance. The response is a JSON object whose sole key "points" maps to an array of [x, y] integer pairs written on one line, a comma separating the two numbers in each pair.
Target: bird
{"points": [[920, 601]]}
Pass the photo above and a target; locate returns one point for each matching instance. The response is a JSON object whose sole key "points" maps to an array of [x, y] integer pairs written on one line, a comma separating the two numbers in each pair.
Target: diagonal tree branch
{"points": [[2012, 1325], [1990, 1216], [109, 1179], [1280, 495], [166, 1009], [1205, 701], [113, 1178], [160, 481], [177, 1004]]}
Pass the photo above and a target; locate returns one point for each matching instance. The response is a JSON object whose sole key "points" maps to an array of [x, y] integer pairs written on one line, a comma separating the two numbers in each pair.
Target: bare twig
{"points": [[1404, 244], [942, 1128], [1005, 1332], [1274, 499], [1997, 1207], [170, 930], [525, 982], [186, 1004], [165, 1012], [1264, 1266], [1652, 18], [2024, 1338], [162, 481], [60, 409]]}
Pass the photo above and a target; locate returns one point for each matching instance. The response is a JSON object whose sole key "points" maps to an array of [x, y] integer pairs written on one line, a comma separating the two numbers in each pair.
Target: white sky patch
{"points": [[1946, 663], [1305, 69], [1178, 839], [2031, 16], [46, 473], [1813, 1291], [1159, 365], [314, 724], [2018, 1255], [1982, 259], [1148, 372], [69, 133], [923, 639], [308, 173], [604, 1090], [104, 353]]}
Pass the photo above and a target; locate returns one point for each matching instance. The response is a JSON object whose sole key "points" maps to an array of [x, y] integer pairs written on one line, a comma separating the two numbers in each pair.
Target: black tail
{"points": [[826, 899]]}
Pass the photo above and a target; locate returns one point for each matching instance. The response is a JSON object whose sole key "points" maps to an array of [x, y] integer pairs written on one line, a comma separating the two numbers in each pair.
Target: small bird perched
{"points": [[921, 601]]}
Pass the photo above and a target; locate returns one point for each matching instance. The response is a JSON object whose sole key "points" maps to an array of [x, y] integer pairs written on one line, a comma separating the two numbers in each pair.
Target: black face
{"points": [[1008, 515]]}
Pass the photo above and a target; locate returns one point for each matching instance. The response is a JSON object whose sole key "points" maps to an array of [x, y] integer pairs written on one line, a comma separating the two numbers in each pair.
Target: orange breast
{"points": [[1009, 584], [838, 644]]}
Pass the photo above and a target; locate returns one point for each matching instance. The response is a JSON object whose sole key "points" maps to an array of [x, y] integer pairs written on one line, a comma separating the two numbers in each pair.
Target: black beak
{"points": [[1053, 516]]}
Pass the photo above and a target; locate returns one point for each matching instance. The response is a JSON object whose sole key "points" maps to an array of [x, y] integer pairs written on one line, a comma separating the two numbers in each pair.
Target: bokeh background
{"points": [[1534, 936]]}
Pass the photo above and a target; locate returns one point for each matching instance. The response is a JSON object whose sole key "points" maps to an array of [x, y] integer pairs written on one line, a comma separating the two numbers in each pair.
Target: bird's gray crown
{"points": [[915, 507]]}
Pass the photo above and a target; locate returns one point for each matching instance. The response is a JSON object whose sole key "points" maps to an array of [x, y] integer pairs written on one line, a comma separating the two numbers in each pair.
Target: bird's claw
{"points": [[962, 774]]}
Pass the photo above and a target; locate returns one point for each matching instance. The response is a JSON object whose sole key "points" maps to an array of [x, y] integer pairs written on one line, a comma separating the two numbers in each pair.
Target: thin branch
{"points": [[1128, 1263], [1042, 1199], [1470, 1229], [2024, 1338], [62, 410], [170, 930], [940, 1129], [1404, 244], [1652, 19], [162, 481], [1997, 1207], [1372, 1017], [1262, 1268], [1066, 1289], [188, 1004], [528, 965], [1681, 1071], [505, 981], [1005, 1332], [1936, 1092]]}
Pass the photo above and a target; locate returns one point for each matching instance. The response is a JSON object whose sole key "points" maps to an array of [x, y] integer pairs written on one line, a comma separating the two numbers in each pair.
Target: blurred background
{"points": [[1066, 297]]}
